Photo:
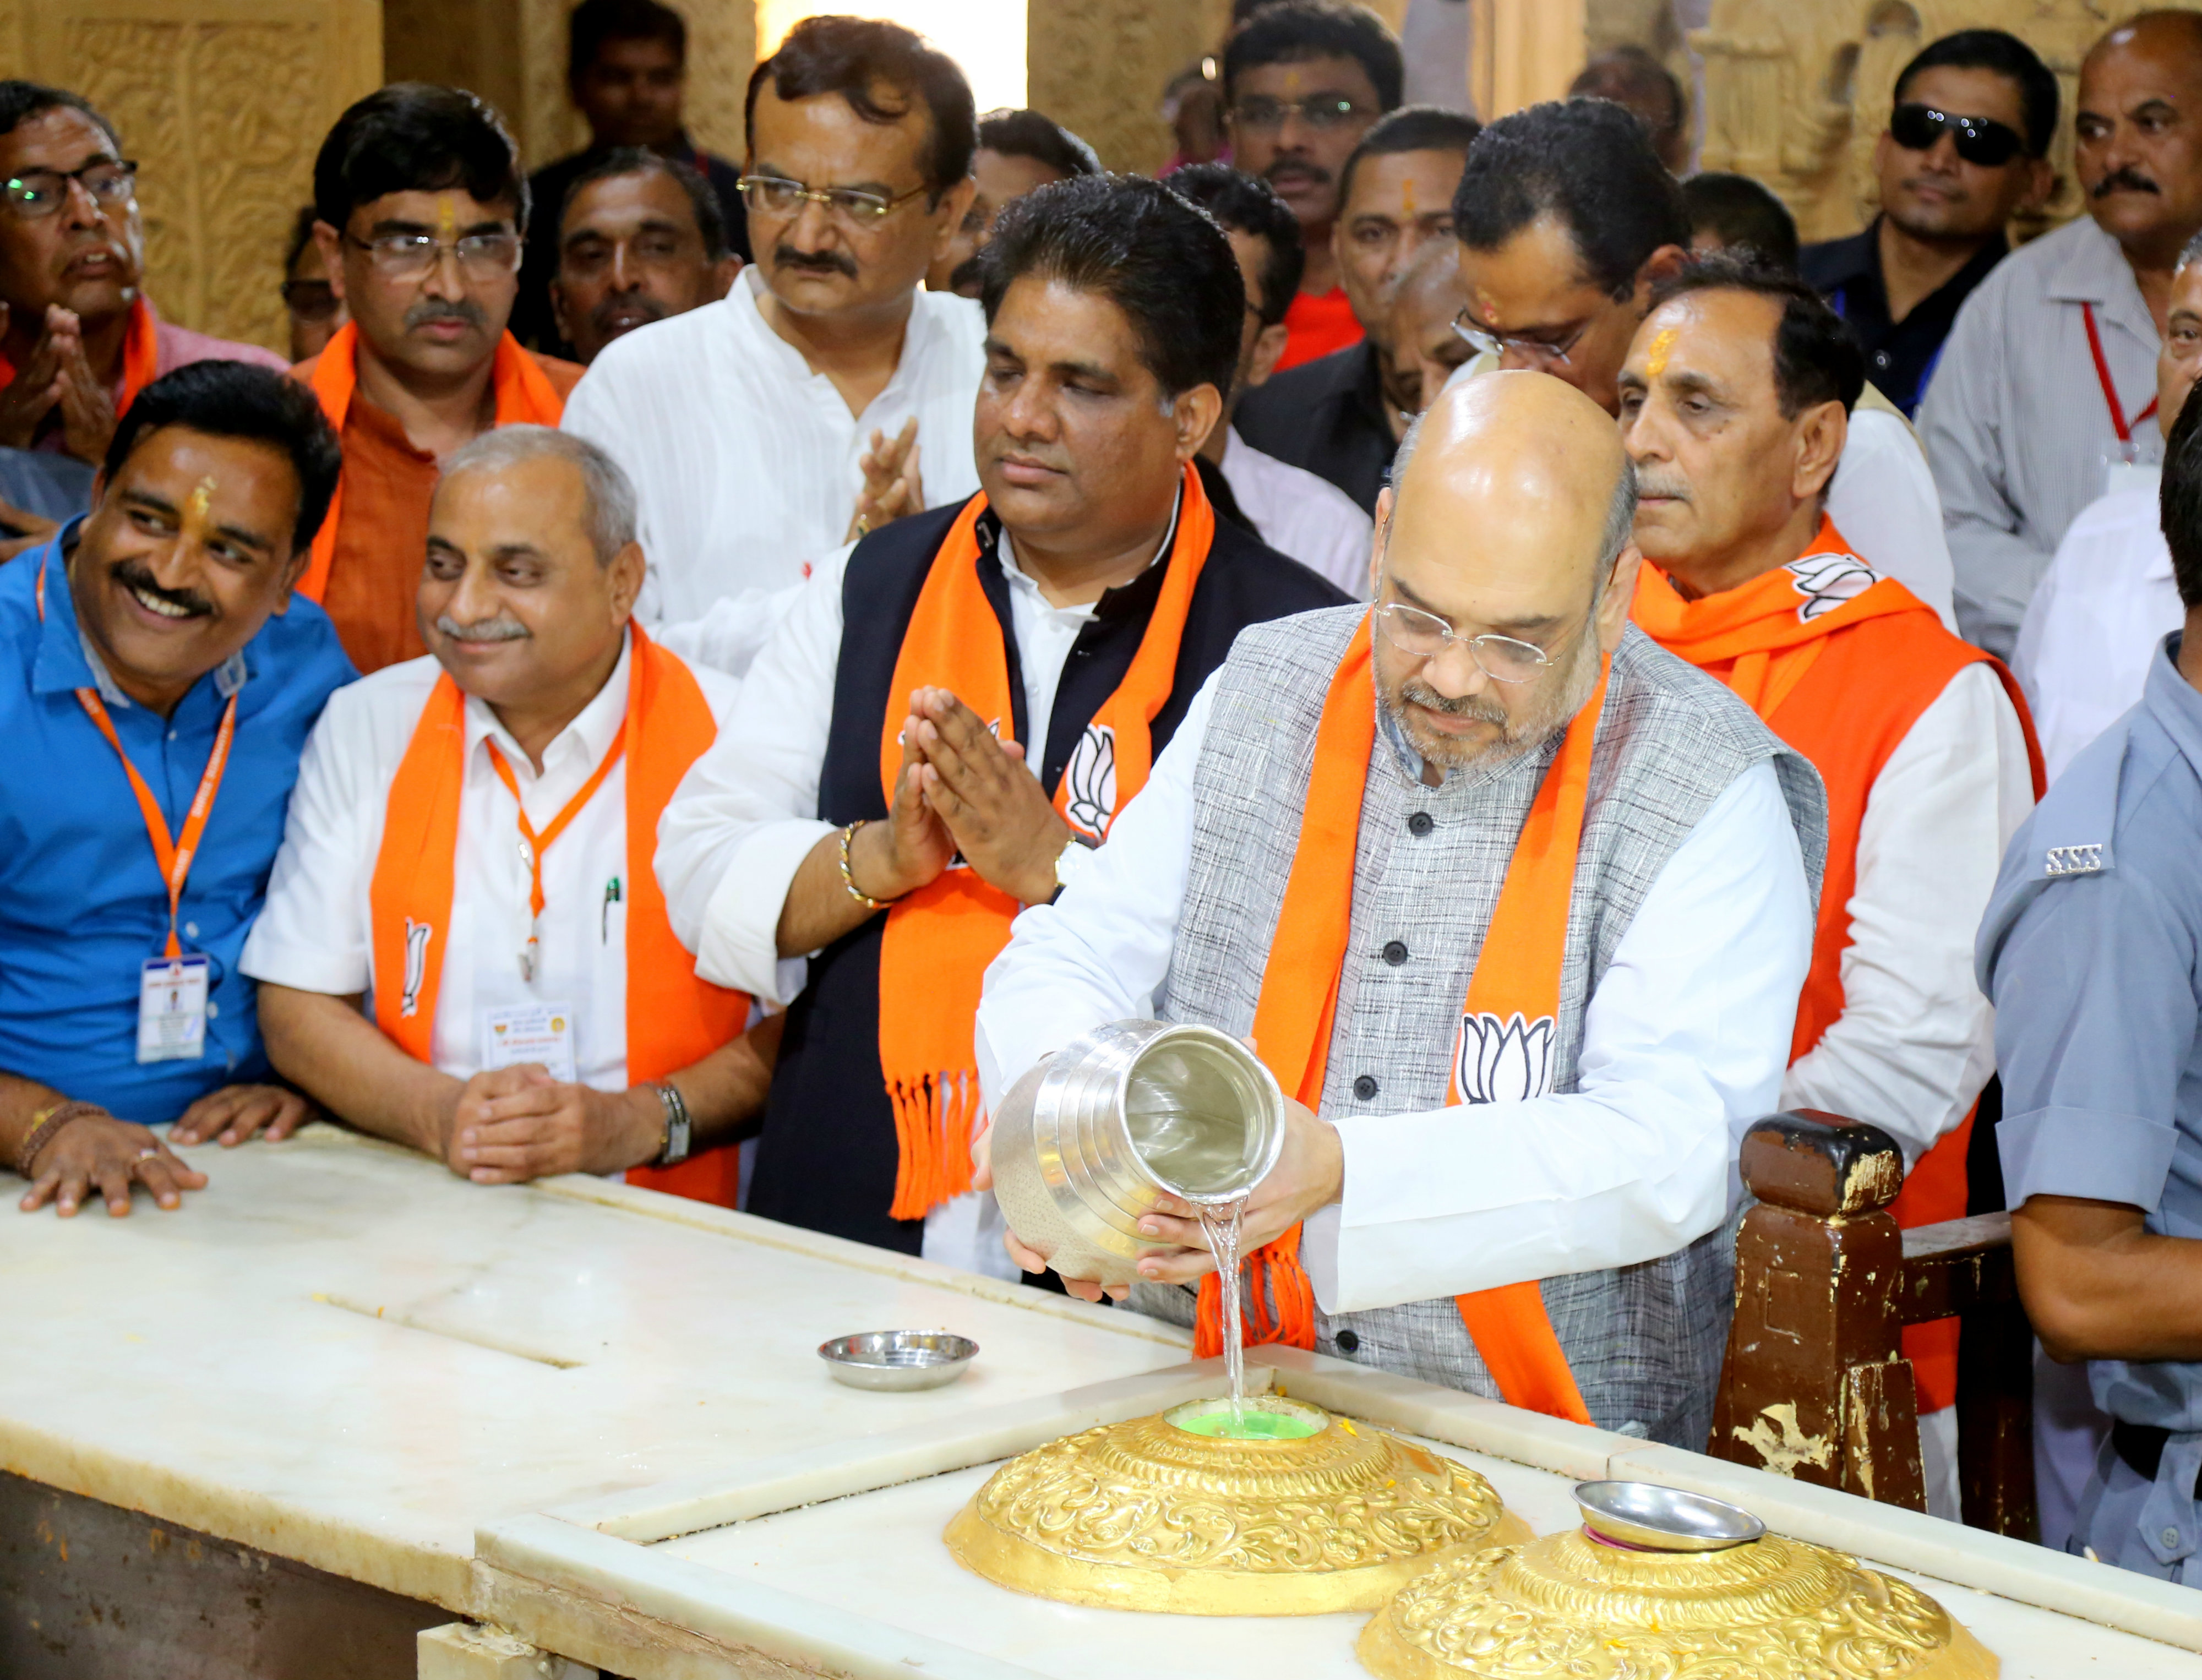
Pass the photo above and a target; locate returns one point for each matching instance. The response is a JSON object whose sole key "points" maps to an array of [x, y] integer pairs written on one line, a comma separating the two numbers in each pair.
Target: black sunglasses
{"points": [[1980, 140]]}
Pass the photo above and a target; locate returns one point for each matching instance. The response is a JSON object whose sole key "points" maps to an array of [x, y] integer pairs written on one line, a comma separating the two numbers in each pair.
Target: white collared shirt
{"points": [[314, 934], [746, 462], [1882, 500], [1304, 517]]}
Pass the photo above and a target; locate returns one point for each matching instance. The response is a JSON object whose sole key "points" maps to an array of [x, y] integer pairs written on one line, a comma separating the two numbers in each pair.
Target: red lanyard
{"points": [[2118, 421], [175, 861], [533, 846]]}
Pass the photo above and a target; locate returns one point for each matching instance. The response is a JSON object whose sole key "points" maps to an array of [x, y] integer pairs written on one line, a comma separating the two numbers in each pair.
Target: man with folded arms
{"points": [[420, 201], [162, 681], [982, 686], [1734, 402], [1513, 1174], [464, 947]]}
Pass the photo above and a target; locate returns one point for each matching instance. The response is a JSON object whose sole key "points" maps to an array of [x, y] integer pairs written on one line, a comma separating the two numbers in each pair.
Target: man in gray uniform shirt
{"points": [[2092, 950]]}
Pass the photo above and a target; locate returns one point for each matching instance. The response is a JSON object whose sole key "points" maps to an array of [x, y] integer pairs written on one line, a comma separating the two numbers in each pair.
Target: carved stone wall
{"points": [[1099, 66], [224, 103]]}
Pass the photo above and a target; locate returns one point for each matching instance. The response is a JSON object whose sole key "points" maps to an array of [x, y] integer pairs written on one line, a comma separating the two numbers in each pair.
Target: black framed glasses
{"points": [[1979, 139], [775, 195], [108, 182], [1262, 115]]}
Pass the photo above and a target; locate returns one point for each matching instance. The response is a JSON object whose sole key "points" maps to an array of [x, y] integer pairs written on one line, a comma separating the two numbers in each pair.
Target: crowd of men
{"points": [[922, 596]]}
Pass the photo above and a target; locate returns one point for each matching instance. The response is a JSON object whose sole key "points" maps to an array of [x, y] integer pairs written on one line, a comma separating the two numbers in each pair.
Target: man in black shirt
{"points": [[1965, 150]]}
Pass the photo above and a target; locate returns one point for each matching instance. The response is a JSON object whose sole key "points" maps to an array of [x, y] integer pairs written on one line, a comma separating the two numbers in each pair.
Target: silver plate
{"points": [[897, 1359], [1664, 1519]]}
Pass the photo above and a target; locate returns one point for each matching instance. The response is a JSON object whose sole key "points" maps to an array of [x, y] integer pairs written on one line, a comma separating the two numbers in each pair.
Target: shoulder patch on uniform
{"points": [[2074, 860]]}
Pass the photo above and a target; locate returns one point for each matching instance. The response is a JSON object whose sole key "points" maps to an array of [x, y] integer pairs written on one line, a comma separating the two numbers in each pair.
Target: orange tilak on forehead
{"points": [[447, 216], [1486, 308], [197, 505], [1662, 347], [1292, 82], [1407, 196]]}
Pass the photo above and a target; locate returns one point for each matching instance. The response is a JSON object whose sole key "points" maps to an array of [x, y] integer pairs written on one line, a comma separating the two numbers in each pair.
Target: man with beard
{"points": [[2043, 397], [162, 682], [1017, 151], [1512, 1174], [986, 683], [78, 337], [640, 238], [419, 199], [1304, 80], [1966, 150], [825, 394]]}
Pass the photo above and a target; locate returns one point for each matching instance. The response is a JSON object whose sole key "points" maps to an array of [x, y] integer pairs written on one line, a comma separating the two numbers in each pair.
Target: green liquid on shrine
{"points": [[1253, 1425]]}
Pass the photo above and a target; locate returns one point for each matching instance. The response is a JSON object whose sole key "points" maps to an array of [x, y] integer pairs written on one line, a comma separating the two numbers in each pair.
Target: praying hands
{"points": [[58, 372]]}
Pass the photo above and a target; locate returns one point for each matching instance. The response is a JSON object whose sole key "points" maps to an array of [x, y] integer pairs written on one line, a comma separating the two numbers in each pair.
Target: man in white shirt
{"points": [[2109, 598], [464, 948], [1288, 507], [1339, 830], [826, 392], [2042, 398], [952, 712]]}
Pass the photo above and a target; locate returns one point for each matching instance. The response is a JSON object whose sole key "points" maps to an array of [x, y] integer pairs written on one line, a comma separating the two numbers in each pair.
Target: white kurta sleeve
{"points": [[312, 933], [1915, 1040], [1684, 1043]]}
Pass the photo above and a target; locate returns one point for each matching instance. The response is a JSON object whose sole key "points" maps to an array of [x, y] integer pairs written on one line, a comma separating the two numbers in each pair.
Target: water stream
{"points": [[1222, 1224]]}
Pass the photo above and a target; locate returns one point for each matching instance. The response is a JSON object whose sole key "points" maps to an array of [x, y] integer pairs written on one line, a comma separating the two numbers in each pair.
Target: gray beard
{"points": [[1518, 738]]}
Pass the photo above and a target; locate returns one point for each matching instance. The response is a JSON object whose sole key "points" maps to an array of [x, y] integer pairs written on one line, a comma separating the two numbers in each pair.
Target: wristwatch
{"points": [[1077, 851], [679, 1130]]}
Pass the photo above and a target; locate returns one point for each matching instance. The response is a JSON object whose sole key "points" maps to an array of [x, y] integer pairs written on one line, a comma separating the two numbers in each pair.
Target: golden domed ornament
{"points": [[1662, 1585], [1153, 1515]]}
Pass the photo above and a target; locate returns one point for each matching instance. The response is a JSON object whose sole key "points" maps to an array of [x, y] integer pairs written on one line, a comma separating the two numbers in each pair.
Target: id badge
{"points": [[530, 1033], [171, 1009], [2119, 473]]}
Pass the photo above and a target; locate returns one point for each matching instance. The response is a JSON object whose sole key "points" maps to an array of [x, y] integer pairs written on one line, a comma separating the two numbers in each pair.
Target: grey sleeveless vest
{"points": [[1646, 1342]]}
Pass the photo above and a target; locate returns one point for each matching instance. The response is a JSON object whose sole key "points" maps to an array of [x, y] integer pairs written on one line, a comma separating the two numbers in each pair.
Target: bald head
{"points": [[2138, 134], [2175, 33]]}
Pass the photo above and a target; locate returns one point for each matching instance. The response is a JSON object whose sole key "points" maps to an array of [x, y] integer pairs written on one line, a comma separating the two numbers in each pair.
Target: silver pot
{"points": [[1089, 1141]]}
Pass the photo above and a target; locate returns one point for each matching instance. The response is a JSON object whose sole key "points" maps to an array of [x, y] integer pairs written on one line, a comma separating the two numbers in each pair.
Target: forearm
{"points": [[819, 908], [21, 1102], [729, 1087], [2100, 1285], [336, 1056]]}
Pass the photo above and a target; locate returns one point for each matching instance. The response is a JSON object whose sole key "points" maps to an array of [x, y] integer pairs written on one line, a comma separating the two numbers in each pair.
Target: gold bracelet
{"points": [[849, 834]]}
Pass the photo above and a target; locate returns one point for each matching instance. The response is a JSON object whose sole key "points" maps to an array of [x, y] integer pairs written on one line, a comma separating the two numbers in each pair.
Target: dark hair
{"points": [[414, 136], [1136, 242], [1638, 70], [1015, 133], [594, 22], [2006, 56], [2178, 502], [1589, 163], [20, 101], [300, 236], [1241, 203], [851, 56], [1817, 358], [1288, 31], [1738, 211], [1410, 128], [238, 399], [710, 219]]}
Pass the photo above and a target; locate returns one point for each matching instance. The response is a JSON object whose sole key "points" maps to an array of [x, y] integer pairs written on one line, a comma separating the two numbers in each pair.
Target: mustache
{"points": [[446, 308], [814, 261], [502, 628], [1654, 484], [132, 574], [601, 316], [2127, 180], [1297, 163], [1473, 706]]}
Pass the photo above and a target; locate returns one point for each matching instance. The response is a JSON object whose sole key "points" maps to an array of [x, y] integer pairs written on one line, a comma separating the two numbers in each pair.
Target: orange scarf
{"points": [[141, 356], [938, 942], [524, 395], [674, 1018], [1510, 1023]]}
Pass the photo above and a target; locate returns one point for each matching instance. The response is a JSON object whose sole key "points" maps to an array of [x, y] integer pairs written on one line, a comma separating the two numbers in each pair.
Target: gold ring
{"points": [[864, 526]]}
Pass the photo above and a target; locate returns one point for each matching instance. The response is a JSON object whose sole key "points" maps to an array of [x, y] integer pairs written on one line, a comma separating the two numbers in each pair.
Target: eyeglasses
{"points": [[1536, 351], [775, 195], [1262, 114], [40, 193], [403, 256], [309, 300], [1980, 140], [1424, 635]]}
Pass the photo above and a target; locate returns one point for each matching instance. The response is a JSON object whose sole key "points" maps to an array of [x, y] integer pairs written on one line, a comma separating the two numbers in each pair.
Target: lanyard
{"points": [[2118, 421], [533, 846], [175, 861]]}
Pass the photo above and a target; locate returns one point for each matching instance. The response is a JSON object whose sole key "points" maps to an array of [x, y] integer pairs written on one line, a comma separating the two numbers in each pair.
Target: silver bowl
{"points": [[897, 1359], [1664, 1519]]}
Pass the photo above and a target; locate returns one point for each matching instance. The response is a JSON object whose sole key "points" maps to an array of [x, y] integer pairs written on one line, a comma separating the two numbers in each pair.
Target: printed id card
{"points": [[530, 1033], [171, 1009], [2120, 475]]}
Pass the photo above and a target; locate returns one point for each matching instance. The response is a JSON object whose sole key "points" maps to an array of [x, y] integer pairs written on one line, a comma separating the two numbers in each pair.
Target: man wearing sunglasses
{"points": [[1965, 150], [79, 338]]}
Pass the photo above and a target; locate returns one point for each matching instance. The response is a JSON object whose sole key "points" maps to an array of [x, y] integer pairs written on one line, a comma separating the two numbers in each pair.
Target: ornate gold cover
{"points": [[1146, 1516], [1568, 1606]]}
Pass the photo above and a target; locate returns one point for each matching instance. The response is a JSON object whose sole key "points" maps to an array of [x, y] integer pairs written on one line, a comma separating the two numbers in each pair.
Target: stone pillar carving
{"points": [[1522, 52], [1098, 67]]}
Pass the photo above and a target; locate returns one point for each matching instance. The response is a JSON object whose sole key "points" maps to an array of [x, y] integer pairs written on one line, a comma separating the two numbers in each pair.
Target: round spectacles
{"points": [[108, 182], [1424, 635], [775, 195], [404, 256], [1978, 140], [1262, 115]]}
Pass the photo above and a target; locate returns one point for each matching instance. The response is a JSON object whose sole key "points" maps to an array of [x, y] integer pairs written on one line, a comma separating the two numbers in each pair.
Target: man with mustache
{"points": [[464, 948], [2043, 397], [162, 680], [640, 238], [1017, 151], [952, 713], [827, 394], [419, 200], [1512, 1173], [1734, 402], [1304, 80], [79, 338]]}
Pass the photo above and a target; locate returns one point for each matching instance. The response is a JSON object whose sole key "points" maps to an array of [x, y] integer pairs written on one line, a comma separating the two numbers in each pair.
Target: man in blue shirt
{"points": [[2092, 952], [157, 687]]}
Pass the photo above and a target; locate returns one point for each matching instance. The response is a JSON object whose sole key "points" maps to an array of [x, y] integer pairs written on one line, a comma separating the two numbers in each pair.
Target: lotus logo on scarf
{"points": [[1826, 581], [417, 935], [1089, 780], [1503, 1061]]}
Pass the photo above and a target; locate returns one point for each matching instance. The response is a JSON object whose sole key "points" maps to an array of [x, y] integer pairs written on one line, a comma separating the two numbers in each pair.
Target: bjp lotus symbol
{"points": [[1503, 1061]]}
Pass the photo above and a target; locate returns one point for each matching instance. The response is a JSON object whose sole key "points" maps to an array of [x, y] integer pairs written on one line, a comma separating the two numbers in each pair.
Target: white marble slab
{"points": [[340, 1353]]}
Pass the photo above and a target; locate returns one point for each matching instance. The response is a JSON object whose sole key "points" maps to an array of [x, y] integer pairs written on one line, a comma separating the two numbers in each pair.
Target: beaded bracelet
{"points": [[46, 1125], [856, 891]]}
